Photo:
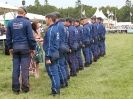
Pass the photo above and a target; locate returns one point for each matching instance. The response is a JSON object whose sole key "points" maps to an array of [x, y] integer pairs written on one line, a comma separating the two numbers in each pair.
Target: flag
{"points": [[108, 12], [131, 14], [111, 14], [83, 13]]}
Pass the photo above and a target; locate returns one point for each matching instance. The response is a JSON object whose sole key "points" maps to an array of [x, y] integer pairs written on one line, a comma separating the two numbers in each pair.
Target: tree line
{"points": [[121, 14]]}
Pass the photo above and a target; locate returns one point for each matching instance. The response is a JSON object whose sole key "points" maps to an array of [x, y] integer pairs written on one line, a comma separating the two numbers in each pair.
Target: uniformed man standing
{"points": [[20, 42], [73, 44], [94, 41], [101, 33], [104, 38], [79, 37], [63, 49], [51, 48], [87, 28]]}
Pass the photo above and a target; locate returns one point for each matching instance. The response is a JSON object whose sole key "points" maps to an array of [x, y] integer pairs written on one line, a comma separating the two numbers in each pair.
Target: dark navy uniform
{"points": [[51, 48], [87, 28], [94, 41], [20, 39], [63, 50], [66, 55], [73, 44], [79, 56], [101, 34]]}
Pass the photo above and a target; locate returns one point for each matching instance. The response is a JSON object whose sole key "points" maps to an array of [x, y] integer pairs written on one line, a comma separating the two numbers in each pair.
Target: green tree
{"points": [[124, 14], [42, 9], [37, 3], [78, 3], [46, 2]]}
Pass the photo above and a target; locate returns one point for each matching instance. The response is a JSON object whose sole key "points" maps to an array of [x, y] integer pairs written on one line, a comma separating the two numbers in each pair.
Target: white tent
{"points": [[8, 16], [7, 8], [4, 8], [32, 16], [99, 13], [12, 15]]}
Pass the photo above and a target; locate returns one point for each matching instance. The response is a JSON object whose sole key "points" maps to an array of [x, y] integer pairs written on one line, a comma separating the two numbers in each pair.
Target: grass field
{"points": [[110, 78]]}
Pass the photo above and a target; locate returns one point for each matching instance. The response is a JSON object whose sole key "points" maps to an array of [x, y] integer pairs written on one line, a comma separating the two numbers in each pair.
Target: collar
{"points": [[77, 26], [86, 24], [51, 25], [20, 17]]}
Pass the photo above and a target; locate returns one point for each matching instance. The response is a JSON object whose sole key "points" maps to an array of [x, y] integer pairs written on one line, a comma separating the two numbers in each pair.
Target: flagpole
{"points": [[130, 17], [108, 12], [115, 16], [130, 11], [81, 11]]}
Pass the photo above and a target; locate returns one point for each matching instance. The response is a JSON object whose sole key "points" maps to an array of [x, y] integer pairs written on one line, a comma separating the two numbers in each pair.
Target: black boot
{"points": [[81, 67], [87, 64], [95, 59], [54, 93], [16, 89], [73, 75], [25, 89]]}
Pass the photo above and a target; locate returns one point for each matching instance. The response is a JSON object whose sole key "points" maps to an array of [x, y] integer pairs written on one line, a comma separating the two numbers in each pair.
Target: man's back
{"points": [[19, 31]]}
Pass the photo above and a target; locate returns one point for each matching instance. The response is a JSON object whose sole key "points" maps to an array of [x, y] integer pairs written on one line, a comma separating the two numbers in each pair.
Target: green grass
{"points": [[110, 78]]}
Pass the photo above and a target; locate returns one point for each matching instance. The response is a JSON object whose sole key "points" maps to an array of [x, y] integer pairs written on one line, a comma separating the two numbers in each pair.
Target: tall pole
{"points": [[23, 3], [80, 6], [108, 12], [130, 16], [130, 10], [115, 16], [81, 10]]}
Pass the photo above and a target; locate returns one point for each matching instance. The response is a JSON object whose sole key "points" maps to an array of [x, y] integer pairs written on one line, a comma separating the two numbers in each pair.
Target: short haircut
{"points": [[57, 14], [51, 16], [62, 20], [22, 10], [83, 18], [76, 20], [70, 20], [93, 17], [99, 18]]}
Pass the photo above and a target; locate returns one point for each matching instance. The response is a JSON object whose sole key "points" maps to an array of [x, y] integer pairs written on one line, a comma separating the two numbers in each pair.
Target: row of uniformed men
{"points": [[63, 43]]}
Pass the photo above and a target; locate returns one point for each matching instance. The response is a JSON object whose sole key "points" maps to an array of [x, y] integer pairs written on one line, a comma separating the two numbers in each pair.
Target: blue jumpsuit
{"points": [[87, 28], [101, 33], [20, 38], [79, 56], [66, 55], [94, 47], [103, 40], [62, 59], [51, 48], [73, 44]]}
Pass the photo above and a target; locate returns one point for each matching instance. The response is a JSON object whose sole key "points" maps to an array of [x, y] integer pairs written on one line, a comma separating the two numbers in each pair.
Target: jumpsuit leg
{"points": [[53, 73], [62, 72], [25, 63], [73, 64], [16, 73], [79, 59]]}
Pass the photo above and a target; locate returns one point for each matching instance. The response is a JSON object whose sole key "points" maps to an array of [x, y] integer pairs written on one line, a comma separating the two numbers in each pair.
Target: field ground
{"points": [[110, 78]]}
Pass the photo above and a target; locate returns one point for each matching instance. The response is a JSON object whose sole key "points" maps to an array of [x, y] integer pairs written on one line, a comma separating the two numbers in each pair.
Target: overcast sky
{"points": [[68, 3]]}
